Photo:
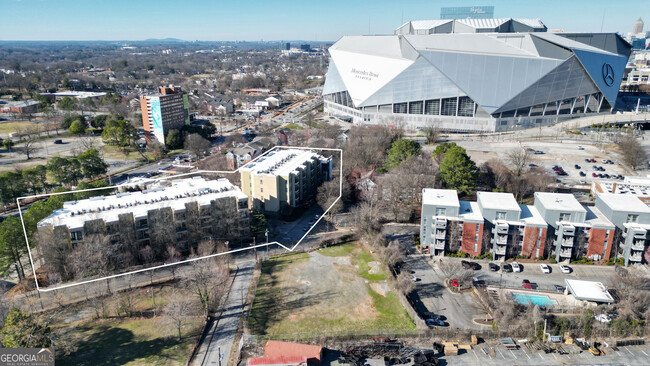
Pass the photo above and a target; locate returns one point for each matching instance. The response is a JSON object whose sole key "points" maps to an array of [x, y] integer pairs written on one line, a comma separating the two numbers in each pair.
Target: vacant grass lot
{"points": [[131, 342], [337, 289], [14, 126]]}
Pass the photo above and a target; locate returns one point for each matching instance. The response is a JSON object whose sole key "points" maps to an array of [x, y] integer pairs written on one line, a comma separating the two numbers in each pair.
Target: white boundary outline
{"points": [[190, 259]]}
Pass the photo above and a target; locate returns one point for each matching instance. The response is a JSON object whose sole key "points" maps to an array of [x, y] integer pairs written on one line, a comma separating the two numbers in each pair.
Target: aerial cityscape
{"points": [[400, 183]]}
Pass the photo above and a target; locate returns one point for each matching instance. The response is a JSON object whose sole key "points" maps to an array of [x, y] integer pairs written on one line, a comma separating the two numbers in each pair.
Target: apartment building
{"points": [[631, 186], [181, 213], [631, 216], [577, 231], [284, 179], [495, 223], [167, 110]]}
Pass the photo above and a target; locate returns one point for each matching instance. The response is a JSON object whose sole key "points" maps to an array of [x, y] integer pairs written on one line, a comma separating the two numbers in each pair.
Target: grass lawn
{"points": [[293, 126], [8, 127], [131, 342], [337, 289]]}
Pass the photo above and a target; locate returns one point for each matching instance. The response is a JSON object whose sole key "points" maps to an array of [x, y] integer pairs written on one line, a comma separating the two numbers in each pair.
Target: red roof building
{"points": [[277, 361], [274, 349]]}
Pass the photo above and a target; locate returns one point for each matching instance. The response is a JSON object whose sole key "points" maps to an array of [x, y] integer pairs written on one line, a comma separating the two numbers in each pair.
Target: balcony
{"points": [[502, 229], [567, 242], [439, 245], [636, 257], [568, 230], [441, 223], [502, 239], [439, 235], [640, 235], [565, 253], [638, 245], [500, 251]]}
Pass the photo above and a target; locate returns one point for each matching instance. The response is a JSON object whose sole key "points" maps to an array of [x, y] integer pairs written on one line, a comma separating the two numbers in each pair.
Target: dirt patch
{"points": [[374, 267], [380, 287]]}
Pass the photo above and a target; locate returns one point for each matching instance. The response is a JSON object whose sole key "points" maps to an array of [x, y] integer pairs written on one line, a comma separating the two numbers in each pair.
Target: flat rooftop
{"points": [[559, 201], [498, 201], [440, 197], [623, 202], [470, 212], [589, 291], [108, 208], [530, 216], [636, 189], [597, 219], [77, 94], [281, 162]]}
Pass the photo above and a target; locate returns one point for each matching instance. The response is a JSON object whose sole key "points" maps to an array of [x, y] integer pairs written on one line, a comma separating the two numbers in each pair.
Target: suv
{"points": [[527, 284], [545, 268], [466, 264], [565, 269], [516, 267], [494, 267], [506, 267]]}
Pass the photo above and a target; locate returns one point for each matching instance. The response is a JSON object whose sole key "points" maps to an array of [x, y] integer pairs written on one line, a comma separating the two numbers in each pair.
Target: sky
{"points": [[275, 20]]}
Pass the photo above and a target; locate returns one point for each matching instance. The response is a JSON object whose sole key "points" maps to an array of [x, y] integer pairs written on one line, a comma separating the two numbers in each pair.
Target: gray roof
{"points": [[559, 201], [623, 202], [441, 197], [498, 200]]}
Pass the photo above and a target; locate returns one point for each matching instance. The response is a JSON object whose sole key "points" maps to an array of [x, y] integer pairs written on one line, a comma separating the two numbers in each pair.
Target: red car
{"points": [[455, 283], [594, 175], [527, 284]]}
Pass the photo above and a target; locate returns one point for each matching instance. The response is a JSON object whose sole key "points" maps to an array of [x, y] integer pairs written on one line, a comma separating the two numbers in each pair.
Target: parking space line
{"points": [[527, 355], [629, 351], [582, 355], [644, 352], [475, 355], [501, 353], [554, 355], [513, 354], [540, 356]]}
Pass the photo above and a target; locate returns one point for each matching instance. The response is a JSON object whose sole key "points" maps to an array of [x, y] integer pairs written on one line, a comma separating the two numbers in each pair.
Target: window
{"points": [[476, 239], [607, 234], [605, 245], [432, 107], [537, 252], [449, 106], [565, 216], [478, 227], [466, 107], [540, 232], [632, 218], [539, 242], [399, 108], [501, 215], [441, 211], [76, 235], [475, 247], [415, 107]]}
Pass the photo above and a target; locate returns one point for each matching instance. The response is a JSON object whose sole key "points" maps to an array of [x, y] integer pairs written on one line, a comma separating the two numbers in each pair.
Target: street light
{"points": [[266, 233]]}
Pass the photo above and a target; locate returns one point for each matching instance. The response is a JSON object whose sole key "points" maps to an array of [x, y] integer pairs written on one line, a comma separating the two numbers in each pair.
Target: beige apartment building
{"points": [[284, 179]]}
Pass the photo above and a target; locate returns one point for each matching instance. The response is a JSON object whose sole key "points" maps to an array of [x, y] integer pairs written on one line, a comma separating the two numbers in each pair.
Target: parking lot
{"points": [[566, 154], [631, 355]]}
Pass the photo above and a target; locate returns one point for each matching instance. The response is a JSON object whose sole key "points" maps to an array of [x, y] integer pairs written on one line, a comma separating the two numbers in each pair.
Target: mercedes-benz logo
{"points": [[608, 74]]}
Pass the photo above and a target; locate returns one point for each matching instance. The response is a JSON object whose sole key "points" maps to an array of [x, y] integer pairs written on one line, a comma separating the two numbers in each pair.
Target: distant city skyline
{"points": [[254, 20]]}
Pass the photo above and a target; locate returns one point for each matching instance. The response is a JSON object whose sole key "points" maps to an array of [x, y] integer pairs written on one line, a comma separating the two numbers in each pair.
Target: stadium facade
{"points": [[474, 75]]}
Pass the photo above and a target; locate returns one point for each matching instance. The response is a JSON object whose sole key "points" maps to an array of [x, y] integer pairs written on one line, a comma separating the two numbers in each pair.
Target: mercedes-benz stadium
{"points": [[428, 74]]}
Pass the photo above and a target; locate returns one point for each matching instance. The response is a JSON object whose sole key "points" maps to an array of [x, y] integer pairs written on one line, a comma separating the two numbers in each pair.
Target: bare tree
{"points": [[29, 139], [178, 310], [404, 283], [197, 145], [633, 153], [171, 256], [518, 160], [452, 269]]}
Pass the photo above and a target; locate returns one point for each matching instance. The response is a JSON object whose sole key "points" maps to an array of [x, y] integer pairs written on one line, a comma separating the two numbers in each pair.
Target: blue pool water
{"points": [[528, 299]]}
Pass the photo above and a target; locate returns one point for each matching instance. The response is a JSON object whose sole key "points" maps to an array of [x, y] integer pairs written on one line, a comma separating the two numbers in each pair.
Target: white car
{"points": [[603, 318], [516, 267], [565, 269], [545, 268]]}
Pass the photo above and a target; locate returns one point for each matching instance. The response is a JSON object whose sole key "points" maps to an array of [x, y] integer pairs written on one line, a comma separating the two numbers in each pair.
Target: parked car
{"points": [[414, 279], [494, 267], [475, 266], [562, 173], [538, 152], [594, 175], [545, 268], [506, 267], [559, 288], [455, 283], [58, 141], [527, 284], [604, 161], [580, 148], [435, 322], [532, 165], [577, 166], [466, 264], [587, 160], [582, 174], [516, 267], [565, 269], [603, 318]]}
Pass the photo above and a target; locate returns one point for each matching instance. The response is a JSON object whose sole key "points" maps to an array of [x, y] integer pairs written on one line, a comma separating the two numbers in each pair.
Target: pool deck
{"points": [[560, 299]]}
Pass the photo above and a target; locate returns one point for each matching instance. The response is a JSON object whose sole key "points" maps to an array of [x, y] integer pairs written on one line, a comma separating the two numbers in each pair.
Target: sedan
{"points": [[434, 322], [565, 269], [559, 288], [506, 267], [577, 166], [494, 267], [466, 264], [516, 267], [545, 268], [582, 174]]}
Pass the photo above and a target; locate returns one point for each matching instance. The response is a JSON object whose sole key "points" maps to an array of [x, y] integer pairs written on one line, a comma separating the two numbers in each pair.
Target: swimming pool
{"points": [[528, 299]]}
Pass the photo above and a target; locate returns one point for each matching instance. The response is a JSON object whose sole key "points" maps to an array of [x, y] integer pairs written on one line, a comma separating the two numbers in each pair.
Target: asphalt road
{"points": [[219, 340]]}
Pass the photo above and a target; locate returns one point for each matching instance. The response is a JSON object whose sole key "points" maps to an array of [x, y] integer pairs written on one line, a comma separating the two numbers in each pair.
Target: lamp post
{"points": [[266, 233]]}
